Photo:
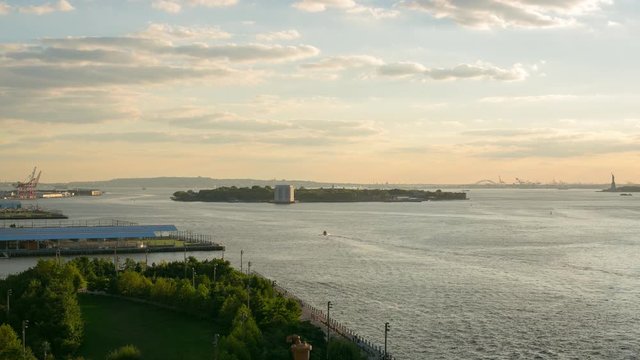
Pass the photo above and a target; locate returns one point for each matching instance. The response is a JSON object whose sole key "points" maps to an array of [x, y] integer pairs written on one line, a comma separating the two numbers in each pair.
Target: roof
{"points": [[84, 232]]}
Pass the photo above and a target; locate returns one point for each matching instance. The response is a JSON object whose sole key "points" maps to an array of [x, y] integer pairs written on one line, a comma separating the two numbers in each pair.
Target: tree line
{"points": [[253, 319], [266, 194]]}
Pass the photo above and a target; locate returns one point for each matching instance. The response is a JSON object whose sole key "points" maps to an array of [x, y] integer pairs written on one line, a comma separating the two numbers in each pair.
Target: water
{"points": [[508, 274]]}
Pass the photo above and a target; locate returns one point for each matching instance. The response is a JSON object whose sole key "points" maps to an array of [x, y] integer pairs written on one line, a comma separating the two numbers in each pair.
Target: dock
{"points": [[35, 240]]}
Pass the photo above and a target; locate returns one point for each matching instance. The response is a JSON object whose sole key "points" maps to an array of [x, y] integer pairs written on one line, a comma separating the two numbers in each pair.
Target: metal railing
{"points": [[64, 223], [319, 318]]}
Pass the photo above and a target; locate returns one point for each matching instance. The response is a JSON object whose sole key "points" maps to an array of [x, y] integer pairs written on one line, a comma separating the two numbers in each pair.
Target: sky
{"points": [[366, 91]]}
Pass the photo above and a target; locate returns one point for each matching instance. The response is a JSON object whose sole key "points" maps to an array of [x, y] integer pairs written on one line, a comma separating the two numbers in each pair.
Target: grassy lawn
{"points": [[158, 333]]}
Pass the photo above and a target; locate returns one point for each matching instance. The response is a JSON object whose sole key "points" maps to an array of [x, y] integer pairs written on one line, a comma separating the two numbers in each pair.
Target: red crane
{"points": [[27, 189]]}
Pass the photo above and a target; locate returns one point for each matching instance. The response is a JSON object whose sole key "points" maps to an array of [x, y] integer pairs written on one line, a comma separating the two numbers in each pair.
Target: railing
{"points": [[191, 238], [319, 318], [64, 223]]}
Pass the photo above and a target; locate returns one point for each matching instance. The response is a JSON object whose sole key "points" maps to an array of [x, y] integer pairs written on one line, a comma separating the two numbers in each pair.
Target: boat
{"points": [[626, 194]]}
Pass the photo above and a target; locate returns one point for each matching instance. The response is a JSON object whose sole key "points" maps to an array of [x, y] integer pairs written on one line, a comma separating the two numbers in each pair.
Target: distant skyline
{"points": [[361, 91]]}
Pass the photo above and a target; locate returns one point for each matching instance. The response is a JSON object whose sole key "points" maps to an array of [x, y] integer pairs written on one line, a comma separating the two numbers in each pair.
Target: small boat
{"points": [[324, 233], [626, 194]]}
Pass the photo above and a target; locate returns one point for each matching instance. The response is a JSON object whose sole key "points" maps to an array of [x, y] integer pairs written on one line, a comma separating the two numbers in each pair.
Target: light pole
{"points": [[25, 325], [329, 306], [215, 346], [46, 347], [9, 292], [386, 331], [241, 253]]}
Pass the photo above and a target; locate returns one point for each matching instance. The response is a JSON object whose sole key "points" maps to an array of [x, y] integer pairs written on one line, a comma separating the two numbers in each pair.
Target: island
{"points": [[258, 194]]}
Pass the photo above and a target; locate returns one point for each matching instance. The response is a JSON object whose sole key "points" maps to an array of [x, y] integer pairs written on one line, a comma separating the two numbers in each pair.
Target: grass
{"points": [[158, 333]]}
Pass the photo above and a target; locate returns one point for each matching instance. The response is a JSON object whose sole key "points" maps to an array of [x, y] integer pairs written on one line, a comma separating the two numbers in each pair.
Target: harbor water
{"points": [[507, 274]]}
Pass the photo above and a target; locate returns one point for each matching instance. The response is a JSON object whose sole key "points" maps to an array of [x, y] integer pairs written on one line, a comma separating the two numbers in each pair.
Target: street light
{"points": [[215, 346], [9, 293], [241, 252], [25, 325], [46, 347], [386, 331], [329, 306]]}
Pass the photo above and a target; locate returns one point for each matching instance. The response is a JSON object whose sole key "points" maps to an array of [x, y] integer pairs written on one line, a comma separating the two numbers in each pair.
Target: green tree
{"points": [[127, 352], [11, 346], [344, 350]]}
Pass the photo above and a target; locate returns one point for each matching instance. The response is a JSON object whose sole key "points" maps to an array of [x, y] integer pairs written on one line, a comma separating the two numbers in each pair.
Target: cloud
{"points": [[4, 8], [167, 6], [486, 14], [176, 6], [155, 49], [279, 35], [60, 6], [548, 143], [67, 106], [344, 62], [401, 69], [414, 70], [529, 98], [139, 60], [479, 70], [349, 6], [178, 33]]}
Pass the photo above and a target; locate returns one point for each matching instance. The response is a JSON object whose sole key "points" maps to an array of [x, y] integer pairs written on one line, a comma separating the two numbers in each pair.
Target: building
{"points": [[284, 194], [8, 204]]}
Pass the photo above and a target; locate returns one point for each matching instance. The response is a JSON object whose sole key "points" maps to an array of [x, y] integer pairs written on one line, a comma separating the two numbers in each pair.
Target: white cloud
{"points": [[175, 6], [279, 35], [171, 7], [401, 69], [488, 14], [60, 6], [344, 62], [414, 70], [134, 60], [349, 6], [171, 32], [322, 5], [479, 70]]}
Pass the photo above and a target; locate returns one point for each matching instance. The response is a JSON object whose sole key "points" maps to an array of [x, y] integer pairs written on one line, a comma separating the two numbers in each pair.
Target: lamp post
{"points": [[9, 293], [215, 346], [329, 306], [241, 253], [46, 347], [25, 325], [386, 331]]}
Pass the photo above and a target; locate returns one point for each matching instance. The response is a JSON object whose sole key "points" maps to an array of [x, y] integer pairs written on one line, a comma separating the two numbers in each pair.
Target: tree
{"points": [[11, 346], [344, 350], [127, 352]]}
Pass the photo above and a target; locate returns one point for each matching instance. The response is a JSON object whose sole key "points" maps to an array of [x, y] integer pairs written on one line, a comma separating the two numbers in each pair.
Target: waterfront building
{"points": [[284, 194], [8, 204]]}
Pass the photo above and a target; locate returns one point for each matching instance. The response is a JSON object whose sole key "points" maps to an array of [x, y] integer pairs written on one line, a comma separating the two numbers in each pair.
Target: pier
{"points": [[26, 239]]}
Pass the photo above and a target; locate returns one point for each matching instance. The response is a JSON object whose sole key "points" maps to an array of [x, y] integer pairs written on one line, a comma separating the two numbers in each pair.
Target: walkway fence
{"points": [[64, 223], [319, 318], [191, 238]]}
